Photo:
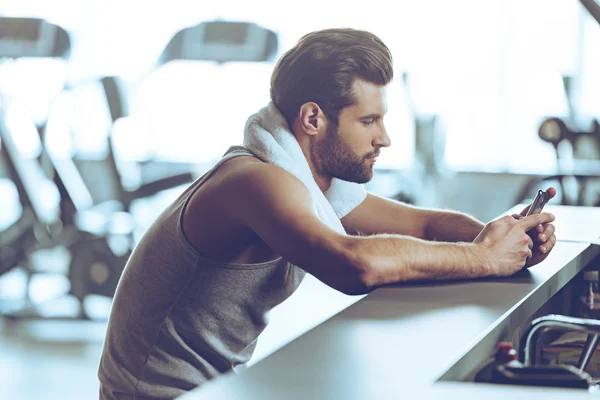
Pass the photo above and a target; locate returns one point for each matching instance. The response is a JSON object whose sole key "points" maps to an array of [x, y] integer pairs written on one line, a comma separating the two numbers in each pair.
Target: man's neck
{"points": [[323, 181]]}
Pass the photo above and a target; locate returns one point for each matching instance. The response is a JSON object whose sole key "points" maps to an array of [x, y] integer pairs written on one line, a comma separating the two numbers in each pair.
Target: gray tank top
{"points": [[179, 318]]}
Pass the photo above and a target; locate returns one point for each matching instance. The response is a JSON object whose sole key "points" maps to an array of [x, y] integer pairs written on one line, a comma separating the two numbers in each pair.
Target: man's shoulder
{"points": [[247, 174], [249, 188]]}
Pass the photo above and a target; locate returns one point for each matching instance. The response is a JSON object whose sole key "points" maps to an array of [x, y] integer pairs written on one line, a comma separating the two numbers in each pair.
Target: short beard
{"points": [[335, 158]]}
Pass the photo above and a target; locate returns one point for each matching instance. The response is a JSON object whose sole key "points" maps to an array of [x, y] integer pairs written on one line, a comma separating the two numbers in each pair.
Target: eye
{"points": [[367, 122]]}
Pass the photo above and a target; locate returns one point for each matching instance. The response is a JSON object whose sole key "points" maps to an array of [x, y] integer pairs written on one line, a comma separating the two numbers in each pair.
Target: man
{"points": [[194, 295]]}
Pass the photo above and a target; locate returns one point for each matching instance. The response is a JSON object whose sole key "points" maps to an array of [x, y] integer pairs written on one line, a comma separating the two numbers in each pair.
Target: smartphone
{"points": [[538, 203]]}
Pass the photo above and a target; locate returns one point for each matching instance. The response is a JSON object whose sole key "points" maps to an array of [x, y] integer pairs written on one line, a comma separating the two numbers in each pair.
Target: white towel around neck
{"points": [[268, 136]]}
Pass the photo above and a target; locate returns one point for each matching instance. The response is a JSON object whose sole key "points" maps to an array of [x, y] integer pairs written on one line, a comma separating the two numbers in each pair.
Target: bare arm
{"points": [[381, 215], [452, 226], [277, 207]]}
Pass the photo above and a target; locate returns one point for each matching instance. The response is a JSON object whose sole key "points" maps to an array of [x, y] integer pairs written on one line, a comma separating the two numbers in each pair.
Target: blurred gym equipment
{"points": [[577, 148], [578, 160], [94, 266], [579, 166], [209, 41], [111, 96], [221, 42], [116, 100], [98, 236]]}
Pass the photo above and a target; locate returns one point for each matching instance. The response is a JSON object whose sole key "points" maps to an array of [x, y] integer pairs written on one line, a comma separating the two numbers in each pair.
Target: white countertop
{"points": [[399, 340]]}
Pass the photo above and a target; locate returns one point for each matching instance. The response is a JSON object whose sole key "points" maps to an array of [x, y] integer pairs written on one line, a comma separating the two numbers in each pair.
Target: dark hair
{"points": [[322, 67]]}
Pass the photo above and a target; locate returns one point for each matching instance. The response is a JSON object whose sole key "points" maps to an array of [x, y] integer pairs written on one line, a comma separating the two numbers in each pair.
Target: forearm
{"points": [[394, 258], [452, 226]]}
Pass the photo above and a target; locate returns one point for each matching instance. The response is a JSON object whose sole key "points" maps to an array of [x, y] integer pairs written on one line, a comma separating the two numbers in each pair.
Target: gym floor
{"points": [[50, 359], [56, 359]]}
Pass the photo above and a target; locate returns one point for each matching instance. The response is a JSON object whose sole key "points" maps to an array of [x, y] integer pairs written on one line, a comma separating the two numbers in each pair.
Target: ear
{"points": [[311, 118]]}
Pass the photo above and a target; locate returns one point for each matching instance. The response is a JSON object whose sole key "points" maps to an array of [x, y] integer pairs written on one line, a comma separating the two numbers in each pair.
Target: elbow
{"points": [[344, 266], [356, 288], [369, 279], [361, 277]]}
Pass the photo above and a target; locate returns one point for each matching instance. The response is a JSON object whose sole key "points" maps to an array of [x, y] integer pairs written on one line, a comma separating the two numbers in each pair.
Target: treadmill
{"points": [[94, 268], [35, 38]]}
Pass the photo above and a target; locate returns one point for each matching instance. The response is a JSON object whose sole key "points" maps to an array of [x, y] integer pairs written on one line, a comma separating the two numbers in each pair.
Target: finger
{"points": [[529, 243], [535, 219], [549, 245], [540, 228], [551, 192], [547, 233]]}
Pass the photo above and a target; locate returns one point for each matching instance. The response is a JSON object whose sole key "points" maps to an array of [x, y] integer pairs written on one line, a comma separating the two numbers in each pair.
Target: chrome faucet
{"points": [[530, 350]]}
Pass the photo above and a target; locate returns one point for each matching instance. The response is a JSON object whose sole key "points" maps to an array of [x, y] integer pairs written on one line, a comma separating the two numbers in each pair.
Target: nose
{"points": [[382, 139]]}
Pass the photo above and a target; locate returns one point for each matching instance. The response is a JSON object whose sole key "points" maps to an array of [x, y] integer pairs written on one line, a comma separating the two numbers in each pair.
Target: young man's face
{"points": [[348, 151]]}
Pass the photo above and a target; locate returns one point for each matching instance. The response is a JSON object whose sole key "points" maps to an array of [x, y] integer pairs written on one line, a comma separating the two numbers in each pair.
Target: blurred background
{"points": [[109, 109]]}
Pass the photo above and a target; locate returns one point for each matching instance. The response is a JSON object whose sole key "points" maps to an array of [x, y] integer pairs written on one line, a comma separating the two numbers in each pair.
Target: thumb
{"points": [[550, 192]]}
